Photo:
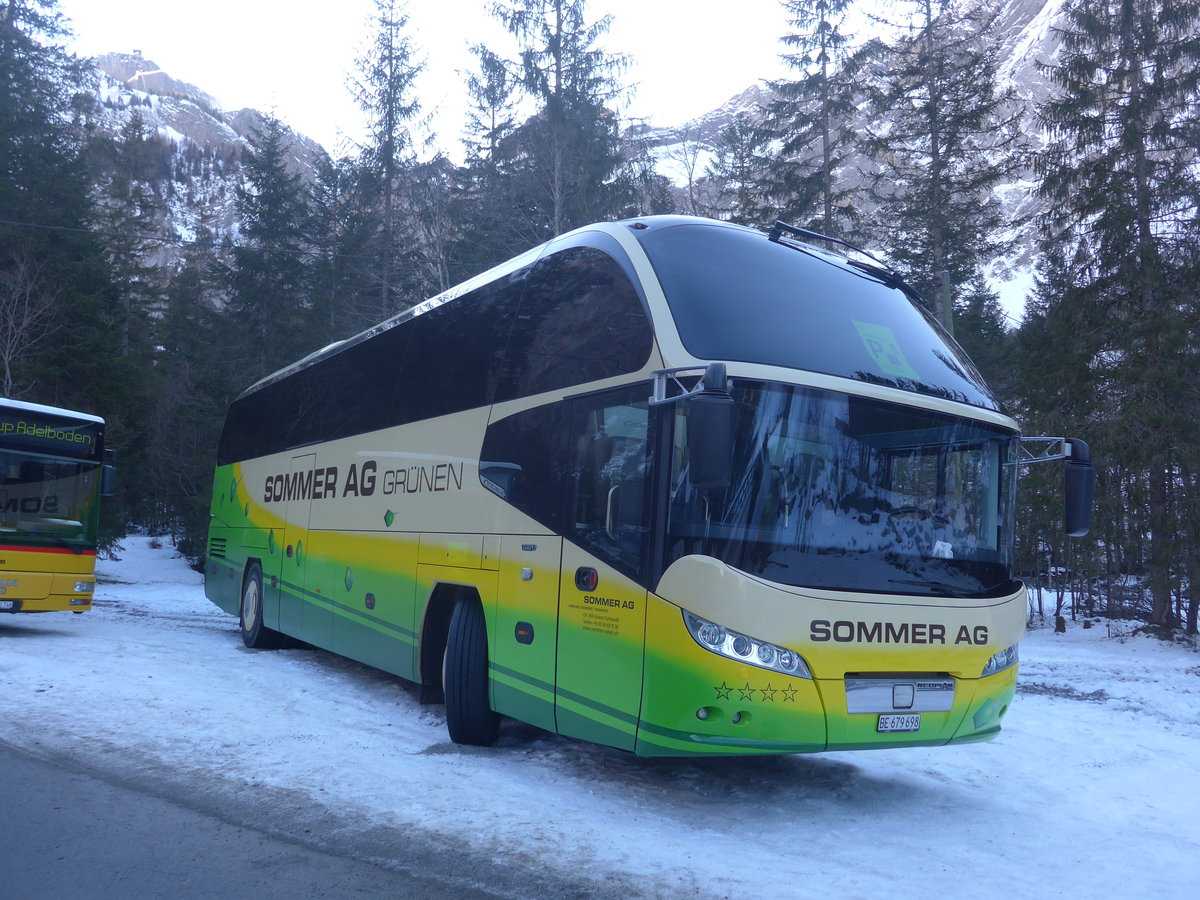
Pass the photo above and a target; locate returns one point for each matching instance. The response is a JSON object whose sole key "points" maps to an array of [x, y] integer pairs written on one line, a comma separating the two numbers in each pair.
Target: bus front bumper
{"points": [[695, 702], [44, 592]]}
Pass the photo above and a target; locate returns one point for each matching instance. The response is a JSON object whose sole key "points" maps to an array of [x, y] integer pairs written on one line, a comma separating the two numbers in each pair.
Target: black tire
{"points": [[469, 716], [255, 634]]}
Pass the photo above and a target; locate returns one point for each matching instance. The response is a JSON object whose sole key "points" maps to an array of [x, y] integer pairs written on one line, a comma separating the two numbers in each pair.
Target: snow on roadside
{"points": [[1091, 788]]}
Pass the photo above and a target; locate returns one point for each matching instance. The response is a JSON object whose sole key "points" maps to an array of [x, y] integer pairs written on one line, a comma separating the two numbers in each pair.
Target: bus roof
{"points": [[6, 403]]}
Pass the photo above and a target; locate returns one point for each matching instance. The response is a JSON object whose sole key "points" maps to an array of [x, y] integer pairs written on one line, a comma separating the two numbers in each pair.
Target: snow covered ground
{"points": [[1093, 789]]}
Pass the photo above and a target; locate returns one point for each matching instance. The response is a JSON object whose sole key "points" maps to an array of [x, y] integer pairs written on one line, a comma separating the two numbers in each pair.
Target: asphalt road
{"points": [[70, 832]]}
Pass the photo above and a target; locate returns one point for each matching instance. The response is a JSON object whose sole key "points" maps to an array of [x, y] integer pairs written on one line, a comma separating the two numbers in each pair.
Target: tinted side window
{"points": [[524, 460], [257, 425], [610, 456], [581, 319], [579, 467], [444, 361], [348, 393], [456, 352]]}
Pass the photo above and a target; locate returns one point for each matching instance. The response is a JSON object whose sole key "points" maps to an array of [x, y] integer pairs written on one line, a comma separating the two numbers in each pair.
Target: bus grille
{"points": [[216, 546]]}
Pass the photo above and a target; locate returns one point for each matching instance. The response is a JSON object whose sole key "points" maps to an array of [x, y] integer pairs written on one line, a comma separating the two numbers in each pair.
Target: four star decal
{"points": [[724, 692]]}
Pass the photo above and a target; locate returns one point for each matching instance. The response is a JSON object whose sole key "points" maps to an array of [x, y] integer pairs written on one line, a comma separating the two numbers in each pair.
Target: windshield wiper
{"points": [[870, 265], [779, 229], [937, 587]]}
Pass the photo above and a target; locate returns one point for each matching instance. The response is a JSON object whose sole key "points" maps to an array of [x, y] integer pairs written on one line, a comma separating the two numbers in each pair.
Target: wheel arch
{"points": [[258, 632], [435, 629], [262, 574]]}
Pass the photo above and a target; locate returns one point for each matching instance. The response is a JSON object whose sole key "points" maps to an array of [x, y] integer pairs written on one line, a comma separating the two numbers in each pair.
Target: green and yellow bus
{"points": [[51, 479], [669, 484]]}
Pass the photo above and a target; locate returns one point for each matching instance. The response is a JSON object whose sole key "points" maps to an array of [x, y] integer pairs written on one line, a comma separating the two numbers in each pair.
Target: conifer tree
{"points": [[50, 254], [738, 174], [1055, 387], [492, 90], [983, 333], [384, 88], [38, 149], [1122, 193], [566, 159], [941, 136], [53, 280], [328, 206], [269, 274], [195, 380], [810, 121], [481, 195], [127, 213]]}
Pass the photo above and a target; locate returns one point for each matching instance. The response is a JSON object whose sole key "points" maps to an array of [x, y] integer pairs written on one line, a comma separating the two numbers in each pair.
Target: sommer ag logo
{"points": [[361, 481]]}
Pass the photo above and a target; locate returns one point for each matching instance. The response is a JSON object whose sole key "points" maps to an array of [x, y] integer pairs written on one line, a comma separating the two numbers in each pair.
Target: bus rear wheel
{"points": [[469, 716], [255, 634]]}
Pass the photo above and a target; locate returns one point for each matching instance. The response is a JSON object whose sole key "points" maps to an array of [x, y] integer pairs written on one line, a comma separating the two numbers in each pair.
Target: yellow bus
{"points": [[670, 485], [51, 479]]}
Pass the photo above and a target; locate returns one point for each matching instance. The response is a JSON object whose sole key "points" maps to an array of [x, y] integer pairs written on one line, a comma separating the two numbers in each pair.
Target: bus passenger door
{"points": [[602, 607], [295, 545]]}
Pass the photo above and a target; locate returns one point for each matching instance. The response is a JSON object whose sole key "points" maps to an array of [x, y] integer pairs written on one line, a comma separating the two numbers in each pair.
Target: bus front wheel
{"points": [[469, 716], [255, 634]]}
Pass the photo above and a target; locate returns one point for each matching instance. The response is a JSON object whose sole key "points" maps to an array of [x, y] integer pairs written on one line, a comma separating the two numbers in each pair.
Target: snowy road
{"points": [[1092, 789]]}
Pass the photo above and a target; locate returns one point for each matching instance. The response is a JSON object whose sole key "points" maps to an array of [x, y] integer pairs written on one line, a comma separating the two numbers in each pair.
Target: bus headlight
{"points": [[82, 586], [1000, 661], [743, 648], [710, 635]]}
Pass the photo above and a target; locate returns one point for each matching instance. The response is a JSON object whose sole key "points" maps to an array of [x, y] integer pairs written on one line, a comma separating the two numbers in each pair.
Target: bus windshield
{"points": [[737, 296], [47, 500], [841, 492]]}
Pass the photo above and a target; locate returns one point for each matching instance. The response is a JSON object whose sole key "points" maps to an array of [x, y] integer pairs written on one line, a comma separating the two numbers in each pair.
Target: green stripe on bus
{"points": [[589, 728], [321, 600], [580, 700], [586, 709], [221, 561], [514, 675]]}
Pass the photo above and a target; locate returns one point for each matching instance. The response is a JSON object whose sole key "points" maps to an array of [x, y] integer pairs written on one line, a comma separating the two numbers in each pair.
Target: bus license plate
{"points": [[7, 604], [892, 724]]}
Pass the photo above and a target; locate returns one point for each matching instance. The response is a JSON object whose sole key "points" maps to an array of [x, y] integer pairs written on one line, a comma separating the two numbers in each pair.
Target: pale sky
{"points": [[688, 56]]}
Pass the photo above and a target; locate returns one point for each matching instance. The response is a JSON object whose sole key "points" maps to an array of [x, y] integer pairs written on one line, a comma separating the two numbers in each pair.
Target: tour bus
{"points": [[671, 485], [51, 479]]}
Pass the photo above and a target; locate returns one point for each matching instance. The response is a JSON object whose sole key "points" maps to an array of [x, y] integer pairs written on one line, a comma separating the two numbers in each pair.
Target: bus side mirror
{"points": [[108, 481], [1079, 488], [710, 431]]}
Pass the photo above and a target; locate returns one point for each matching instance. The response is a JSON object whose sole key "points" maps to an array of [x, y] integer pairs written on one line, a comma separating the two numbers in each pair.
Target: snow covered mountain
{"points": [[1028, 41], [196, 146], [200, 146]]}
